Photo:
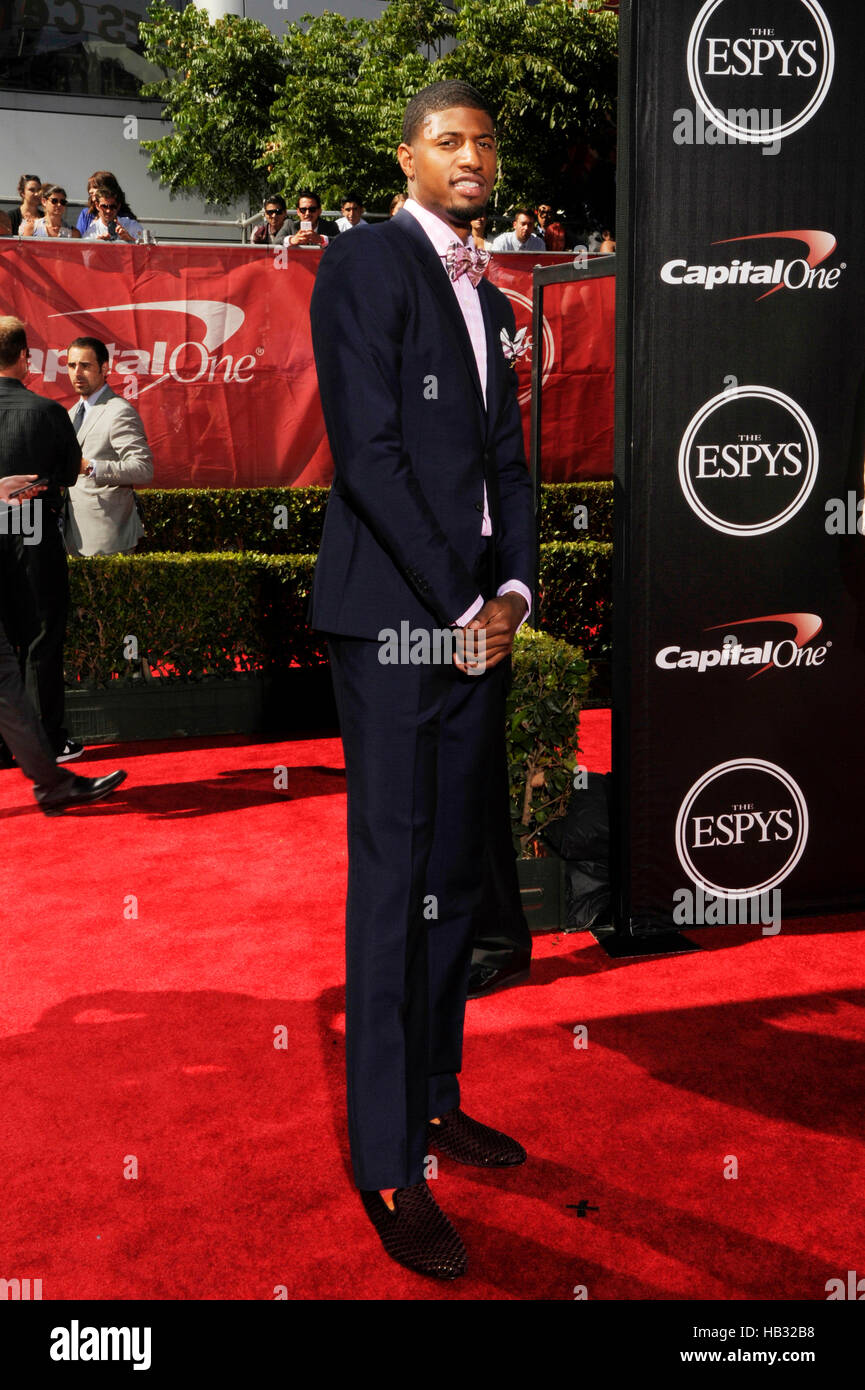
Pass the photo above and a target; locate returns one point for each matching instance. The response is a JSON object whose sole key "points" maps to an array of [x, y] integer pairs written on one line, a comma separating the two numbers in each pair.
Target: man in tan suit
{"points": [[102, 518]]}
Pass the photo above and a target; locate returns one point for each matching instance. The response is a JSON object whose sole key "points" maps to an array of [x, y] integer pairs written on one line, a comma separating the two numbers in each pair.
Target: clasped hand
{"points": [[496, 625]]}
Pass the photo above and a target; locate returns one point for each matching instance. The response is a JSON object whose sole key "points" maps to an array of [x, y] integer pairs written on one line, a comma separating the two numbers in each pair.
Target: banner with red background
{"points": [[212, 346]]}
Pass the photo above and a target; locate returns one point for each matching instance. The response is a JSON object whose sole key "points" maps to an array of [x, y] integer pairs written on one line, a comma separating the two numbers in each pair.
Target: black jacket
{"points": [[411, 439], [36, 436]]}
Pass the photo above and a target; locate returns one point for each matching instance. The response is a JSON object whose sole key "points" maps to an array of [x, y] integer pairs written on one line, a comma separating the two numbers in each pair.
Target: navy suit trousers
{"points": [[420, 743]]}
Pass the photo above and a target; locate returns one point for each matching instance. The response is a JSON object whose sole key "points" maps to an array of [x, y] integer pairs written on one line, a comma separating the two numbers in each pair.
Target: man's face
{"points": [[85, 373], [543, 214], [352, 211], [451, 164], [275, 216], [308, 211], [522, 227]]}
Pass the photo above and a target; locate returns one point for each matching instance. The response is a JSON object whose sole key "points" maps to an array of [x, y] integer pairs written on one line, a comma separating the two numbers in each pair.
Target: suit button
{"points": [[478, 506]]}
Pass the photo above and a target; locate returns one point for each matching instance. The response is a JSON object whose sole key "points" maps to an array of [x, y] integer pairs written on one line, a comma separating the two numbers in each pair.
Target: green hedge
{"points": [[198, 615], [576, 580], [543, 712], [288, 521], [576, 512], [190, 616]]}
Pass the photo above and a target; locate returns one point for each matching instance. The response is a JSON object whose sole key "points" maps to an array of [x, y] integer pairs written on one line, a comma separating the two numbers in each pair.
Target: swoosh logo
{"points": [[805, 627], [820, 246], [221, 320]]}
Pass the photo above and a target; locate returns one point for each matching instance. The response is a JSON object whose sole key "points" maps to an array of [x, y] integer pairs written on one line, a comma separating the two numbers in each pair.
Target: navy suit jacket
{"points": [[411, 440]]}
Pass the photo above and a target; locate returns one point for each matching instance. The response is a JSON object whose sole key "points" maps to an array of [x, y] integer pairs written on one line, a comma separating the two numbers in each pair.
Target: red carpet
{"points": [[159, 945]]}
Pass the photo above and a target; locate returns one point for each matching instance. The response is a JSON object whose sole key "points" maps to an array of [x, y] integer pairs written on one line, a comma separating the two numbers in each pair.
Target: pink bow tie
{"points": [[466, 260]]}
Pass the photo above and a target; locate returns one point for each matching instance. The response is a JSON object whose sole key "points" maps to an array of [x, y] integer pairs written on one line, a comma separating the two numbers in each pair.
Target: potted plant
{"points": [[543, 710]]}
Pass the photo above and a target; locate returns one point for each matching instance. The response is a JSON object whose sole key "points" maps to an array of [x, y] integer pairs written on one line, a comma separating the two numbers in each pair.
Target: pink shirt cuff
{"points": [[465, 618], [513, 586]]}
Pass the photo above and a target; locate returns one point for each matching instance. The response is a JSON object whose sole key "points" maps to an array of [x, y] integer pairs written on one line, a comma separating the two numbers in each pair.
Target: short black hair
{"points": [[351, 198], [308, 193], [278, 200], [440, 96], [100, 351]]}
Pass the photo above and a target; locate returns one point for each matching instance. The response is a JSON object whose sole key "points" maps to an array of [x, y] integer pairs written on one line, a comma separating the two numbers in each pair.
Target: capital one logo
{"points": [[742, 828], [189, 361], [733, 652], [799, 273], [775, 55], [748, 461]]}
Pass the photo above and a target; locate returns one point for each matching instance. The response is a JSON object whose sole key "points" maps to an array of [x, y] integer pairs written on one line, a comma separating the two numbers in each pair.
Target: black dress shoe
{"points": [[81, 793], [417, 1233], [485, 979], [465, 1140]]}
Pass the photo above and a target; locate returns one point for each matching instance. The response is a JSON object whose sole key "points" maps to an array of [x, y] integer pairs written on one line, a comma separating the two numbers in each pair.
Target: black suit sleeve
{"points": [[65, 452], [357, 340]]}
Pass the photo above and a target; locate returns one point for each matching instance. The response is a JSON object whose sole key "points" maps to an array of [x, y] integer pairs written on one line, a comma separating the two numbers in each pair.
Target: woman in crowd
{"points": [[479, 233], [91, 213], [28, 191], [51, 223], [397, 201], [110, 223]]}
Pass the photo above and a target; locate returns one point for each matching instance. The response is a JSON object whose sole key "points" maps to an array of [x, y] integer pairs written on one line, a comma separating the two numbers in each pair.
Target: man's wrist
{"points": [[514, 587]]}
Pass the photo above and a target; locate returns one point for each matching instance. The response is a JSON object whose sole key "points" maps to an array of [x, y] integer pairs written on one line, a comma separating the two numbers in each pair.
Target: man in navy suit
{"points": [[430, 529]]}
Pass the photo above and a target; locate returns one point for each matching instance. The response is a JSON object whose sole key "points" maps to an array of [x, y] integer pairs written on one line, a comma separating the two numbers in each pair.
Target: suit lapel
{"points": [[439, 281], [494, 355], [93, 415]]}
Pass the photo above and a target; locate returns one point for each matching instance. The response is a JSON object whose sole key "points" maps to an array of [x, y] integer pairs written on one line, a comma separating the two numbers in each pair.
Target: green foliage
{"points": [[337, 119], [548, 70], [218, 94], [274, 520], [192, 616], [543, 711], [324, 107], [559, 503], [575, 573], [243, 518], [576, 579]]}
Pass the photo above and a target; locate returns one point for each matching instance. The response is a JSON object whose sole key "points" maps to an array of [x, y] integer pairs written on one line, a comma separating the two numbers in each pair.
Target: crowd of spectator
{"points": [[543, 228], [107, 216]]}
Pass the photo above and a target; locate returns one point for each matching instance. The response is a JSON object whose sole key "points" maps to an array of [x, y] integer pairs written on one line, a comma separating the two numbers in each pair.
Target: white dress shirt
{"points": [[89, 402]]}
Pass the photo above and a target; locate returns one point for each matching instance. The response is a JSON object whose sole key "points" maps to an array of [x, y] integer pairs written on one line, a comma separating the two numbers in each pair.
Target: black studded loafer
{"points": [[417, 1233], [464, 1140]]}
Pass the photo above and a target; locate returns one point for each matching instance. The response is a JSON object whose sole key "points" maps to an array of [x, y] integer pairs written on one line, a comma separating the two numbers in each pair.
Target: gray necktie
{"points": [[78, 418]]}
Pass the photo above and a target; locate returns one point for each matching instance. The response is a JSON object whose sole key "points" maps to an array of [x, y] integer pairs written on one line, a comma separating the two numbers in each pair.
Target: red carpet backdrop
{"points": [[212, 345], [741, 592], [173, 1053]]}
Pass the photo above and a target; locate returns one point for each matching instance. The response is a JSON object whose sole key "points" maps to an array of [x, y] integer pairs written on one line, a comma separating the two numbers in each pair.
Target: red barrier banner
{"points": [[212, 346]]}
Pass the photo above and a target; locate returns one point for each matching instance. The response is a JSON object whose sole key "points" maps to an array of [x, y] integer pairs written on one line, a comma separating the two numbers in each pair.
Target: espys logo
{"points": [[741, 828], [748, 461], [801, 273], [775, 55], [732, 653], [188, 362]]}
